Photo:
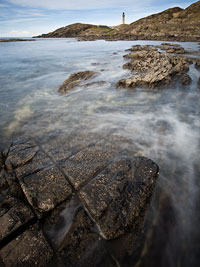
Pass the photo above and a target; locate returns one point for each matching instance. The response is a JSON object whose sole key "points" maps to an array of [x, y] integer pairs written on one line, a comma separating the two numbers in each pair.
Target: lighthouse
{"points": [[123, 18]]}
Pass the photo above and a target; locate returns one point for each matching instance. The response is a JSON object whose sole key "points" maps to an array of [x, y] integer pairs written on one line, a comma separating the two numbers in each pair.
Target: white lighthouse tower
{"points": [[123, 18]]}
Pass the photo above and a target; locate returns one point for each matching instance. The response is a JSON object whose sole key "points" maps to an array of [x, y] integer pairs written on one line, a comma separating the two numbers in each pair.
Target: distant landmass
{"points": [[172, 24]]}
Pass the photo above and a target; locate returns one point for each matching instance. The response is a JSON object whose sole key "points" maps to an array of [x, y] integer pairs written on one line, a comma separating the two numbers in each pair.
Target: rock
{"points": [[186, 79], [172, 48], [17, 215], [118, 196], [81, 167], [43, 184], [75, 79], [99, 83], [154, 68], [197, 64], [198, 83], [88, 205], [28, 249], [80, 245], [15, 40]]}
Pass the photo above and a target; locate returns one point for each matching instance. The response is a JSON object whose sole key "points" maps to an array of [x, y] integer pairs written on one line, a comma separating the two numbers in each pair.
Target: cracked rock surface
{"points": [[73, 208]]}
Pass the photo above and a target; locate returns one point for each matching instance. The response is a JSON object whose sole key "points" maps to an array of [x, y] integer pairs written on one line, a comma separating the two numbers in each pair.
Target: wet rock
{"points": [[91, 205], [95, 63], [118, 197], [126, 249], [186, 79], [60, 221], [152, 69], [15, 40], [16, 215], [81, 167], [74, 235], [75, 79], [21, 153], [42, 182], [141, 48], [172, 48], [94, 84], [45, 188], [197, 64], [28, 249]]}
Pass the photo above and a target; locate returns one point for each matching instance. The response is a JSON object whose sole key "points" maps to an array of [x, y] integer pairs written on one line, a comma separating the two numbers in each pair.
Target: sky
{"points": [[27, 18]]}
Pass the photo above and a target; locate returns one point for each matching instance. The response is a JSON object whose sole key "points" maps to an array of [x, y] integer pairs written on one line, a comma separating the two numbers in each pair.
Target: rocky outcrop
{"points": [[172, 48], [15, 40], [86, 209], [152, 68], [75, 79], [172, 24]]}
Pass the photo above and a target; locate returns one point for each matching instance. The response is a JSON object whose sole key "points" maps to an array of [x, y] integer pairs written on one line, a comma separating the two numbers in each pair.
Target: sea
{"points": [[164, 125]]}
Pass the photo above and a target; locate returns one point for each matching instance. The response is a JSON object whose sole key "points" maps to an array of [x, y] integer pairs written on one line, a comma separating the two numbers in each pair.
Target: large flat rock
{"points": [[28, 249], [81, 167], [118, 196], [46, 188], [89, 200], [43, 183]]}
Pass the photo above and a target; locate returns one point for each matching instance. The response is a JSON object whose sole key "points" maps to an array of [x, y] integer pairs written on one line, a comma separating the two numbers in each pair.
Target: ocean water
{"points": [[163, 124]]}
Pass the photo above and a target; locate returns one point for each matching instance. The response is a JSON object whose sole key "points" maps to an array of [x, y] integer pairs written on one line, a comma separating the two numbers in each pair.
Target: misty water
{"points": [[163, 125]]}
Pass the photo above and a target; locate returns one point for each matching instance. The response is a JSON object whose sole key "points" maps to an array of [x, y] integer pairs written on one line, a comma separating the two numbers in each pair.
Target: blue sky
{"points": [[25, 18]]}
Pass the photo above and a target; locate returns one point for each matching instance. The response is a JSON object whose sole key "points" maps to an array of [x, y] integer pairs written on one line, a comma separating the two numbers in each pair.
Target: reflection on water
{"points": [[164, 125]]}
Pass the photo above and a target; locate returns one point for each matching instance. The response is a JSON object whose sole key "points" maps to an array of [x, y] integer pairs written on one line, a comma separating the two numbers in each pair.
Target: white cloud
{"points": [[17, 33], [80, 4]]}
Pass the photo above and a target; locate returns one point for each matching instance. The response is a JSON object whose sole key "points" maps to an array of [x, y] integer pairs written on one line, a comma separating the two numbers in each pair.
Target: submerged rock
{"points": [[152, 68], [197, 64], [75, 79], [84, 205], [186, 79]]}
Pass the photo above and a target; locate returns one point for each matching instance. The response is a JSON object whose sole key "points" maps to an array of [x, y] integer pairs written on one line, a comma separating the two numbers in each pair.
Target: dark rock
{"points": [[91, 204], [94, 83], [28, 249], [75, 79], [60, 221], [21, 154], [46, 188], [95, 64], [197, 64], [3, 181], [17, 215], [81, 167], [198, 84], [73, 235], [15, 40], [118, 197], [42, 182], [186, 79]]}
